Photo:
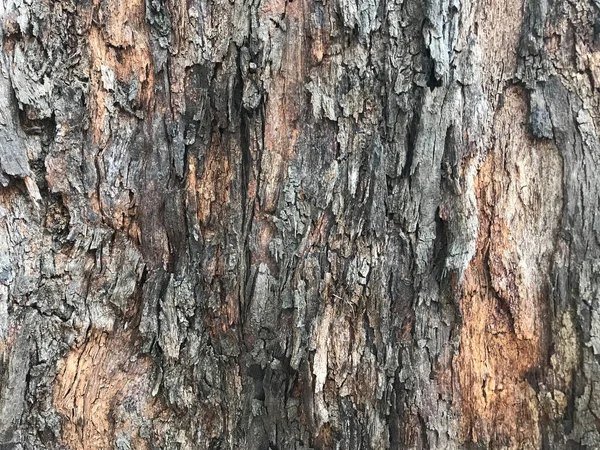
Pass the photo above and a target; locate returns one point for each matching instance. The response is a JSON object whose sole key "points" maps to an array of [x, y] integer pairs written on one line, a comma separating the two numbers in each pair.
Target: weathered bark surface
{"points": [[326, 224]]}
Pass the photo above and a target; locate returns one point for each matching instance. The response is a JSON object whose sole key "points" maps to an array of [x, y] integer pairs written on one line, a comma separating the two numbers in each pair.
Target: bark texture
{"points": [[307, 224]]}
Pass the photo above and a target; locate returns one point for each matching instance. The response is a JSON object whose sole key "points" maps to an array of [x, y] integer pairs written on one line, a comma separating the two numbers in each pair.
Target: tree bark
{"points": [[314, 224]]}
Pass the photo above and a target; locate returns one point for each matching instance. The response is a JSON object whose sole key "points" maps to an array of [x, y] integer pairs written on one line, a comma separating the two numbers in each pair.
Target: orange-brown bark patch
{"points": [[504, 299], [209, 186], [96, 380], [286, 97], [120, 47]]}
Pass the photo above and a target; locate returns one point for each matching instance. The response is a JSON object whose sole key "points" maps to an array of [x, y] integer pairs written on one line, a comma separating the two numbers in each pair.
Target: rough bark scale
{"points": [[310, 224]]}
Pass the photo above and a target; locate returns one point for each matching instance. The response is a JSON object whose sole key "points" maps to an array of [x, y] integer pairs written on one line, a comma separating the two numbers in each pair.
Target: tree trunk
{"points": [[314, 224]]}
